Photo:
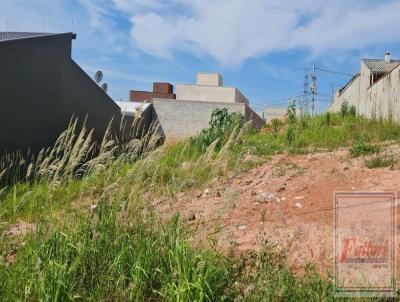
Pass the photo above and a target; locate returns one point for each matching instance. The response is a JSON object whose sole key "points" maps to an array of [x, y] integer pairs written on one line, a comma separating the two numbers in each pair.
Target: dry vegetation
{"points": [[90, 232]]}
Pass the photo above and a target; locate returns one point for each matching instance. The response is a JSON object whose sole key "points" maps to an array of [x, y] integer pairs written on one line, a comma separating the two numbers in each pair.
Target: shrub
{"points": [[220, 126], [291, 112], [344, 109], [352, 110], [361, 148], [328, 118], [276, 126], [290, 135]]}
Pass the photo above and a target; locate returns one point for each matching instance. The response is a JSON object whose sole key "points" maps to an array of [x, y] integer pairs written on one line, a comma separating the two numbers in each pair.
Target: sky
{"points": [[262, 47]]}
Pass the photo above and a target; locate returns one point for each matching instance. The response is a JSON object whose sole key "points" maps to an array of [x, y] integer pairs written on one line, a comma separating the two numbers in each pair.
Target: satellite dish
{"points": [[104, 87], [98, 76]]}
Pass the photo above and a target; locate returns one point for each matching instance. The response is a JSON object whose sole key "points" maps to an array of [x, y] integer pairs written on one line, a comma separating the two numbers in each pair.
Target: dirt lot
{"points": [[288, 200]]}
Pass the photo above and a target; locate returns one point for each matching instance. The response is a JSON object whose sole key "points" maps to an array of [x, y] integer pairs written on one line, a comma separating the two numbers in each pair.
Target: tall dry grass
{"points": [[75, 153]]}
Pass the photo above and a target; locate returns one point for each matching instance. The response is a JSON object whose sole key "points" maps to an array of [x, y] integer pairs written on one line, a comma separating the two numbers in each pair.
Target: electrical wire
{"points": [[335, 72]]}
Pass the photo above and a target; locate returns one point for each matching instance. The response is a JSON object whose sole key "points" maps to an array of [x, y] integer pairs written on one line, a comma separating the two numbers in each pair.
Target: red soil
{"points": [[288, 200]]}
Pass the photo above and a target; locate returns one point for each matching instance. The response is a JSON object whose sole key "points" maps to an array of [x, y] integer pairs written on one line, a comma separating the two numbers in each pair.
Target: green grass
{"points": [[319, 133], [381, 161], [361, 148], [102, 258], [99, 239]]}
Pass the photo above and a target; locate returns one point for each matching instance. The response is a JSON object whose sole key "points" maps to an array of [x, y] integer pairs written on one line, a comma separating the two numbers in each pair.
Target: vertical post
{"points": [[313, 89], [305, 106]]}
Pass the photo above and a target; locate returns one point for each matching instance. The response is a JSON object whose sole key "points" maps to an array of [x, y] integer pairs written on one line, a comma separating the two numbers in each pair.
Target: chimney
{"points": [[388, 57]]}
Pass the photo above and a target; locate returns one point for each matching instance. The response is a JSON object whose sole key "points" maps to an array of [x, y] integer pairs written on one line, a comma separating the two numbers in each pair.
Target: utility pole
{"points": [[313, 89], [304, 106]]}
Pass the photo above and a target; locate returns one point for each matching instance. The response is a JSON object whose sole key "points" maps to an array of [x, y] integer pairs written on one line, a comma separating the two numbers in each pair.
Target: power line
{"points": [[323, 94], [335, 72], [279, 100]]}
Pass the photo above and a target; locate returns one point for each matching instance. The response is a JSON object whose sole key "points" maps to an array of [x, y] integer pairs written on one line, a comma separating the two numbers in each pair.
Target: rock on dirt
{"points": [[190, 216]]}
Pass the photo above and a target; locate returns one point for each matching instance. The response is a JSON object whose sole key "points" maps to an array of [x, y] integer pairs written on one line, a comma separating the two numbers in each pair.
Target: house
{"points": [[374, 91], [41, 88], [190, 112]]}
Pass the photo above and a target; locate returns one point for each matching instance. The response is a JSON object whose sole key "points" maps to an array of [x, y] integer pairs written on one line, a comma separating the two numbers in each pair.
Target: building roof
{"points": [[380, 66], [9, 35]]}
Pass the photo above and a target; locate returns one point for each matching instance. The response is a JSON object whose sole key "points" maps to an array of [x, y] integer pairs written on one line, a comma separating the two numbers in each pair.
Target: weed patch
{"points": [[361, 148], [380, 161]]}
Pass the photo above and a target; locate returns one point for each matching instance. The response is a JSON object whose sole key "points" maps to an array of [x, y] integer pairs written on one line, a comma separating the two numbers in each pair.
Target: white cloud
{"points": [[131, 6], [355, 28], [232, 31]]}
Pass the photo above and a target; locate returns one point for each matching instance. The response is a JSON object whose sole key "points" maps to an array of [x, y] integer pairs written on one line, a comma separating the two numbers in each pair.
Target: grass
{"points": [[319, 133], [361, 148], [98, 238], [387, 160], [100, 258]]}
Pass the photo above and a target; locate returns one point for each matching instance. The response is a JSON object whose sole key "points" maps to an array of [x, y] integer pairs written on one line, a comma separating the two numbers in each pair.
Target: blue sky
{"points": [[260, 46]]}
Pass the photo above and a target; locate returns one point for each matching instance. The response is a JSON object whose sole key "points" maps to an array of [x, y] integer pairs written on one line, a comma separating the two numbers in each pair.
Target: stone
{"points": [[191, 216]]}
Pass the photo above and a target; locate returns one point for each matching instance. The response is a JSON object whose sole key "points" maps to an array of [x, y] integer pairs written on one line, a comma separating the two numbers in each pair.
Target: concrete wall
{"points": [[209, 94], [383, 98], [209, 79], [379, 100], [271, 113], [350, 94], [182, 118], [41, 88]]}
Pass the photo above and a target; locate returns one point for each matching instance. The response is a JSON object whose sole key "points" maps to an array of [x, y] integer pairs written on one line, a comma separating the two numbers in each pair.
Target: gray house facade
{"points": [[41, 88]]}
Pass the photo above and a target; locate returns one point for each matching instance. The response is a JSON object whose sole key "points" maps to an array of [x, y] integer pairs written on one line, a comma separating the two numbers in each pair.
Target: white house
{"points": [[374, 91]]}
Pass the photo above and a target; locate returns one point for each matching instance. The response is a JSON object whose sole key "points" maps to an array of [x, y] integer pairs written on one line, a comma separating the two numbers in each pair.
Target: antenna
{"points": [[72, 25], [98, 76], [43, 25], [104, 87], [6, 26]]}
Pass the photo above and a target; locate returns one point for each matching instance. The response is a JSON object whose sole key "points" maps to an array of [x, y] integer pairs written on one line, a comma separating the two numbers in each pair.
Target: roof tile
{"points": [[380, 66]]}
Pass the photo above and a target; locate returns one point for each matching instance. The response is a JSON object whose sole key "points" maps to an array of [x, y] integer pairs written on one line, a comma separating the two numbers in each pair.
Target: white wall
{"points": [[382, 99], [351, 95], [209, 79], [271, 113], [209, 94]]}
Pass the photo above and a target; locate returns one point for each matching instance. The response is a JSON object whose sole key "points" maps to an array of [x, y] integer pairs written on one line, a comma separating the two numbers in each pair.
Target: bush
{"points": [[276, 126], [290, 135], [352, 110], [361, 148], [344, 109], [328, 118], [291, 112], [221, 124]]}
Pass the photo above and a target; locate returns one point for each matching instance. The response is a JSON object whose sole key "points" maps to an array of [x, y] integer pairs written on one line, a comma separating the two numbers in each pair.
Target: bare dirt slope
{"points": [[288, 200]]}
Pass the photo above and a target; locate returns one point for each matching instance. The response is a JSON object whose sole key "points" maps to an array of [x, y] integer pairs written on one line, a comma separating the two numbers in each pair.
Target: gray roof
{"points": [[10, 35], [380, 66]]}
